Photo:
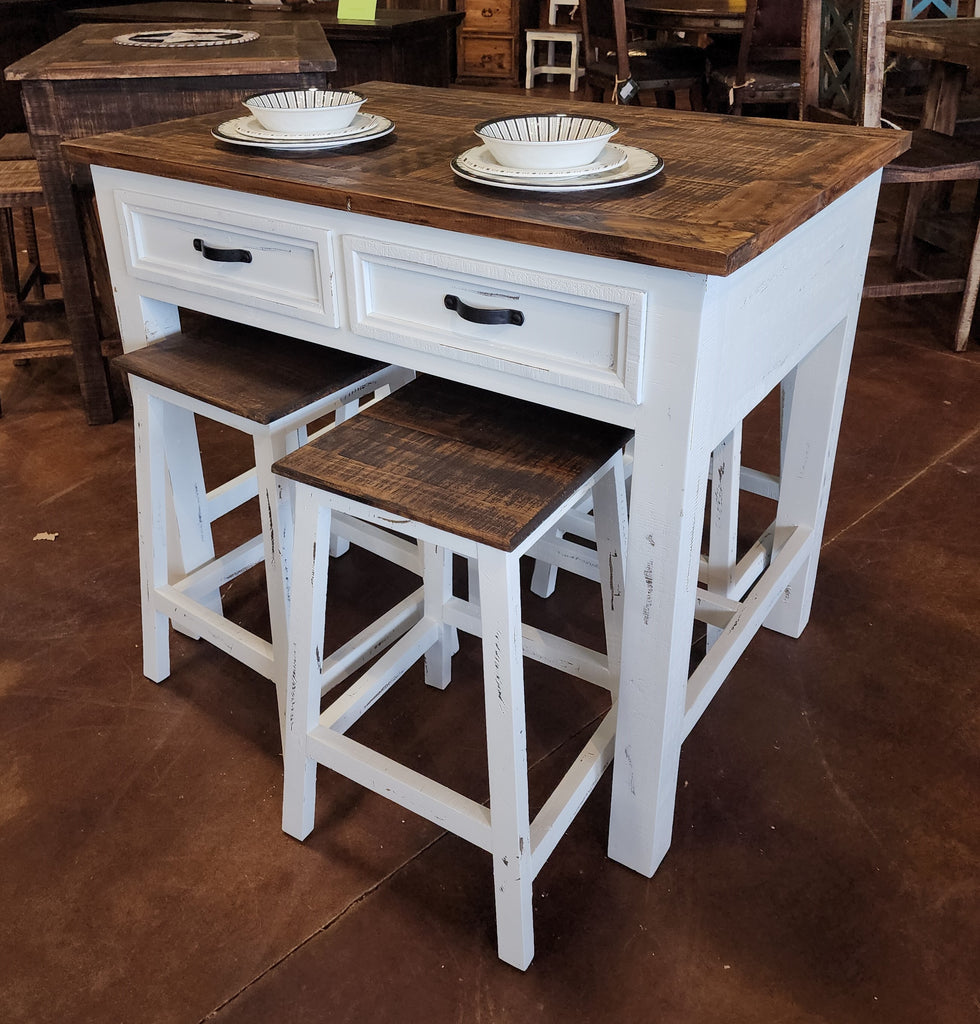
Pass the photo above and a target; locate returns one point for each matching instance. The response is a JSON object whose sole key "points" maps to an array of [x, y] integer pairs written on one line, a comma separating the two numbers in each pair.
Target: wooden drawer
{"points": [[581, 334], [486, 56], [228, 255], [490, 16]]}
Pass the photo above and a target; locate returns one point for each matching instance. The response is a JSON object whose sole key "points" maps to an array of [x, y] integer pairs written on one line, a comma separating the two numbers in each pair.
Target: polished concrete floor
{"points": [[825, 865]]}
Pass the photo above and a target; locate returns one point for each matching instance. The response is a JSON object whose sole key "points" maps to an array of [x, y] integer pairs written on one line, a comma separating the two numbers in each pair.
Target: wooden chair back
{"points": [[912, 9], [624, 66], [844, 60], [604, 31], [773, 32], [766, 68]]}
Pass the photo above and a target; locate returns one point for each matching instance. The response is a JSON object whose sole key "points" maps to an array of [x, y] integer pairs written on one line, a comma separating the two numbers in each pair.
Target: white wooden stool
{"points": [[551, 38], [484, 476], [554, 10], [265, 385], [725, 577]]}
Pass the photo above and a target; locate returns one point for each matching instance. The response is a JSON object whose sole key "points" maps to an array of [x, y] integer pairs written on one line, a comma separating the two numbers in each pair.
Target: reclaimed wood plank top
{"points": [[88, 52], [954, 40], [732, 187]]}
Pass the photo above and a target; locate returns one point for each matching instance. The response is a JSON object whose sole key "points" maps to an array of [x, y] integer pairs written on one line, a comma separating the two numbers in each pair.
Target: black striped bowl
{"points": [[305, 110], [546, 140]]}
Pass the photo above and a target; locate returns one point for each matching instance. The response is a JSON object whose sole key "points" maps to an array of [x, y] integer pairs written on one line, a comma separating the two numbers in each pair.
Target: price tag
{"points": [[628, 91], [357, 10]]}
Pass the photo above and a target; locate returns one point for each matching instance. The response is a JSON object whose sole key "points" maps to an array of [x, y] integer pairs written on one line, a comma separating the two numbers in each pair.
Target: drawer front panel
{"points": [[486, 56], [230, 255], [579, 334], [489, 16]]}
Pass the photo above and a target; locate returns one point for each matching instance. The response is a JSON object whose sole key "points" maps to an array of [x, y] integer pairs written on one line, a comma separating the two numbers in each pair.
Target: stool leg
{"points": [[33, 257], [307, 614], [544, 576], [151, 492], [437, 566], [194, 544], [503, 668], [277, 525], [610, 514], [10, 306], [340, 545], [529, 76]]}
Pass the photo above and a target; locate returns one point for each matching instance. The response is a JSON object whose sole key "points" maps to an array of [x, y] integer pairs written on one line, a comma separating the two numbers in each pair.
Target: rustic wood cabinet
{"points": [[491, 38]]}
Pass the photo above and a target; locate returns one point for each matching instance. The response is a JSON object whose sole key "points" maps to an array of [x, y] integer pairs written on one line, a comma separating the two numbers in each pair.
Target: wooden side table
{"points": [[84, 83]]}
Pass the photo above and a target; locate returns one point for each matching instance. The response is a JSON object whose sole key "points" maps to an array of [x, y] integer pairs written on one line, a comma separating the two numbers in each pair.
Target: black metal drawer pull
{"points": [[484, 316], [209, 252]]}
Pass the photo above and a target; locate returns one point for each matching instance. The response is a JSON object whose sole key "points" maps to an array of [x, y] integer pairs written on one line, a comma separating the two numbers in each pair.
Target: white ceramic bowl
{"points": [[546, 140], [302, 111]]}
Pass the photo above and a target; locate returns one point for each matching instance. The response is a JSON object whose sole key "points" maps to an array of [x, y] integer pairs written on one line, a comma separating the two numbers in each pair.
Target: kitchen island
{"points": [[672, 306]]}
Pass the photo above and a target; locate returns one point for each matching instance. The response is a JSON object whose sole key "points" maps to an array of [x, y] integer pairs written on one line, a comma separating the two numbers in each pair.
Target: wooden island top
{"points": [[731, 188]]}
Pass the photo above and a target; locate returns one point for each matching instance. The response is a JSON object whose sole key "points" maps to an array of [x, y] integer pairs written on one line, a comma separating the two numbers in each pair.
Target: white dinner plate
{"points": [[480, 161], [638, 166], [360, 125], [228, 132]]}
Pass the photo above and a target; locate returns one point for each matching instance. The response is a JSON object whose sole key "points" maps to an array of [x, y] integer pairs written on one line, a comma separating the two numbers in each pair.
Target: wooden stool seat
{"points": [[485, 467], [16, 146], [248, 372], [270, 387], [20, 183], [465, 472]]}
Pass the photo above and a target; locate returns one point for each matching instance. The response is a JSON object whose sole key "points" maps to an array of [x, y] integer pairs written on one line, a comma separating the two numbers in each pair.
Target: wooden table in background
{"points": [[83, 83], [417, 47], [672, 307], [701, 17], [953, 47]]}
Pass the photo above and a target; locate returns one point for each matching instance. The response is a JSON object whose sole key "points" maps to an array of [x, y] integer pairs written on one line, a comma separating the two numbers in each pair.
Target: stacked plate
{"points": [[553, 153], [615, 165], [247, 131]]}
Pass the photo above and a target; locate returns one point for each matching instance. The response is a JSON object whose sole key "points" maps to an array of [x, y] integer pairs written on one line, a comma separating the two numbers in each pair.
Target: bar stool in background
{"points": [[483, 476], [84, 83], [555, 31], [23, 281], [272, 388]]}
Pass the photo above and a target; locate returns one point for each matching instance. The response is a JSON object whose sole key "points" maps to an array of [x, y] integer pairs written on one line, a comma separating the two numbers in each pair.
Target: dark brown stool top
{"points": [[257, 374], [20, 184], [474, 463], [16, 146]]}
